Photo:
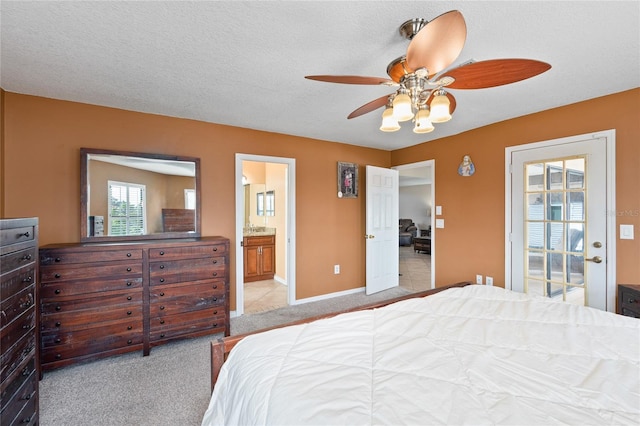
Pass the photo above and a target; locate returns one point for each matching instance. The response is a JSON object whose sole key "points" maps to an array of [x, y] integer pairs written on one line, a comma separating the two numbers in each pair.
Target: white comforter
{"points": [[472, 355]]}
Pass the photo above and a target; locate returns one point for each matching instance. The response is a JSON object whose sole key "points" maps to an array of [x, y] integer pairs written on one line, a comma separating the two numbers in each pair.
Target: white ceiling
{"points": [[242, 63]]}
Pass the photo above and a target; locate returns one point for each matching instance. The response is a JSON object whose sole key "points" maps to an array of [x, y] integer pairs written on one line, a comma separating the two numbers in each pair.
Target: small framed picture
{"points": [[347, 180]]}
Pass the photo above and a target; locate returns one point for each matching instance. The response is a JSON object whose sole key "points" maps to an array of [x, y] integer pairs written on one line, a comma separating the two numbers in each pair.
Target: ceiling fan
{"points": [[421, 74]]}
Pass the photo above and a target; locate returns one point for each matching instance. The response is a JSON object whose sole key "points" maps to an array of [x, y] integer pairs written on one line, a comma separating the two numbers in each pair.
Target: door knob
{"points": [[594, 259], [370, 237], [597, 244]]}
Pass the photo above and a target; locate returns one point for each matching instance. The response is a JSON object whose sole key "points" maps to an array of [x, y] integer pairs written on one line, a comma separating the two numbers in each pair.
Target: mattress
{"points": [[472, 355]]}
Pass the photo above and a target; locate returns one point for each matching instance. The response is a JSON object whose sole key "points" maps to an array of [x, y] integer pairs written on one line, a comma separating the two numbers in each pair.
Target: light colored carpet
{"points": [[171, 386]]}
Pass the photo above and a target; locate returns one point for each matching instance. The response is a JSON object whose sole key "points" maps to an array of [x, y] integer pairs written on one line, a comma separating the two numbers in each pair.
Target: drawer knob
{"points": [[215, 324], [215, 286], [129, 342], [215, 274], [57, 340], [128, 297], [128, 269], [129, 327], [128, 254], [128, 312], [161, 253], [215, 312], [27, 257], [128, 283], [57, 275], [215, 299], [161, 280], [57, 323], [215, 261], [58, 307], [27, 279], [161, 266], [58, 356], [215, 249], [57, 259], [162, 308], [26, 234], [161, 321], [161, 334], [632, 300], [26, 327], [57, 291], [162, 293]]}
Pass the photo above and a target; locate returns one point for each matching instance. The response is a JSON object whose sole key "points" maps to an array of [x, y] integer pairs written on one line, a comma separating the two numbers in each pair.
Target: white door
{"points": [[559, 232], [382, 229]]}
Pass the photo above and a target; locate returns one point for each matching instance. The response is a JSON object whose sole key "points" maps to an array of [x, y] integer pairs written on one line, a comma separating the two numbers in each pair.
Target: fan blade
{"points": [[438, 43], [350, 79], [494, 72], [368, 107], [452, 101]]}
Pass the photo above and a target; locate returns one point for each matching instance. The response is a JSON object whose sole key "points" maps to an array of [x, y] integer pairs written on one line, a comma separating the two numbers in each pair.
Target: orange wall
{"points": [[472, 241], [41, 164]]}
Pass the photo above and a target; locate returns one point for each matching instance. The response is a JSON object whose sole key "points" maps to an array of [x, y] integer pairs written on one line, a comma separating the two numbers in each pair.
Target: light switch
{"points": [[438, 210], [439, 223], [626, 232]]}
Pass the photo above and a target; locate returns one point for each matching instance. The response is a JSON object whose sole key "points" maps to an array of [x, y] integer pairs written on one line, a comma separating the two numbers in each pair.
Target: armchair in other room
{"points": [[408, 231]]}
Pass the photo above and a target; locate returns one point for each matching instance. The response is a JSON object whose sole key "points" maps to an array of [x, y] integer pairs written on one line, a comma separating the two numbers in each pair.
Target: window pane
{"points": [[575, 238], [575, 206], [535, 235], [554, 205], [555, 235], [575, 173], [535, 265], [535, 206], [534, 177], [554, 175]]}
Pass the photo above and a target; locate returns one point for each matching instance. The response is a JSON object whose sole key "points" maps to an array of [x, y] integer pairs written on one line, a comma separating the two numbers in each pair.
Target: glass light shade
{"points": [[402, 107], [440, 109], [423, 124], [389, 123]]}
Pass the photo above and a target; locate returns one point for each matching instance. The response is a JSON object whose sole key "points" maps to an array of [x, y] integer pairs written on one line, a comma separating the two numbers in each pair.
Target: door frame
{"points": [[290, 248], [610, 187], [432, 164]]}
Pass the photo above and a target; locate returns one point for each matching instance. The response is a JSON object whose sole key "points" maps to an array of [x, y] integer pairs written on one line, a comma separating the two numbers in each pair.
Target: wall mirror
{"points": [[138, 196]]}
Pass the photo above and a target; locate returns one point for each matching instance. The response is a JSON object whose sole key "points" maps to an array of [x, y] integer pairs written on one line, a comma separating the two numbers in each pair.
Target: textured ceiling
{"points": [[242, 63]]}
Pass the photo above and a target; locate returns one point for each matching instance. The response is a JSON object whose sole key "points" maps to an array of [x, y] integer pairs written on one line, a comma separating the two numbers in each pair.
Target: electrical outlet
{"points": [[336, 269], [489, 280], [478, 279]]}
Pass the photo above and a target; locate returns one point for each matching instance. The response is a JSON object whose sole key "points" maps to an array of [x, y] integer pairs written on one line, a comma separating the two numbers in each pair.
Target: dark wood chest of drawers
{"points": [[20, 369], [629, 300], [99, 300]]}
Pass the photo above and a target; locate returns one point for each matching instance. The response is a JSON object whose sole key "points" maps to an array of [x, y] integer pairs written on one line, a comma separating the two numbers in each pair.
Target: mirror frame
{"points": [[84, 197]]}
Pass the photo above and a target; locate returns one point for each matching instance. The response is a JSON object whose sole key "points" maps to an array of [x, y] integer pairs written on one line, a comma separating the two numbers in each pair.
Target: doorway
{"points": [[265, 220], [560, 239], [416, 202]]}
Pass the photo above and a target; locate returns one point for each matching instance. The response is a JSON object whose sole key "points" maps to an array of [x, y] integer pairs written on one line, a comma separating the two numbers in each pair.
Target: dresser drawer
{"points": [[17, 358], [172, 326], [16, 305], [177, 271], [16, 281], [187, 252], [17, 235], [629, 300], [91, 271], [84, 313], [117, 339], [66, 257], [19, 259], [17, 395], [83, 287], [85, 336], [168, 300], [263, 240], [25, 323]]}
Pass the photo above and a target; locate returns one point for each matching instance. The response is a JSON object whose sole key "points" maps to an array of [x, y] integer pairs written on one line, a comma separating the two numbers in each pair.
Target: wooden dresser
{"points": [[629, 300], [102, 299], [20, 369]]}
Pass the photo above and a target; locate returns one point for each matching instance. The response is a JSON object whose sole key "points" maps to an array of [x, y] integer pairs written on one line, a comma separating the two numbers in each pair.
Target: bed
{"points": [[466, 355]]}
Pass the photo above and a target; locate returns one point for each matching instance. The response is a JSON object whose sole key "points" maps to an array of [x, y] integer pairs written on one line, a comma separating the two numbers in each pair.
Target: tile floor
{"points": [[415, 275]]}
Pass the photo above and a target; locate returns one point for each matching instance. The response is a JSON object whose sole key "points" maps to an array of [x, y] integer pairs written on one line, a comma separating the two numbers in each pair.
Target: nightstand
{"points": [[629, 300]]}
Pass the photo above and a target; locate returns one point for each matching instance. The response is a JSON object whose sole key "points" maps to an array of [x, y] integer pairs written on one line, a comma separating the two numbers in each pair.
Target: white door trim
{"points": [[610, 141], [290, 248], [432, 164]]}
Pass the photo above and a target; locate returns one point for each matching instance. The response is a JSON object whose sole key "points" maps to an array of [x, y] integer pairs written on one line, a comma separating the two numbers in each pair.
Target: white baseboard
{"points": [[329, 296], [279, 280]]}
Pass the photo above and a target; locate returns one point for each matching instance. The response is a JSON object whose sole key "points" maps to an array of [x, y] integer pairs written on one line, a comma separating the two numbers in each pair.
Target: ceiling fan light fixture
{"points": [[389, 123], [402, 110], [423, 124], [440, 108]]}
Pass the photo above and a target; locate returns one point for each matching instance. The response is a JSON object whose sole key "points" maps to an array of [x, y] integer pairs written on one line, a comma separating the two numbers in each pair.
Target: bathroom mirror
{"points": [[138, 196]]}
